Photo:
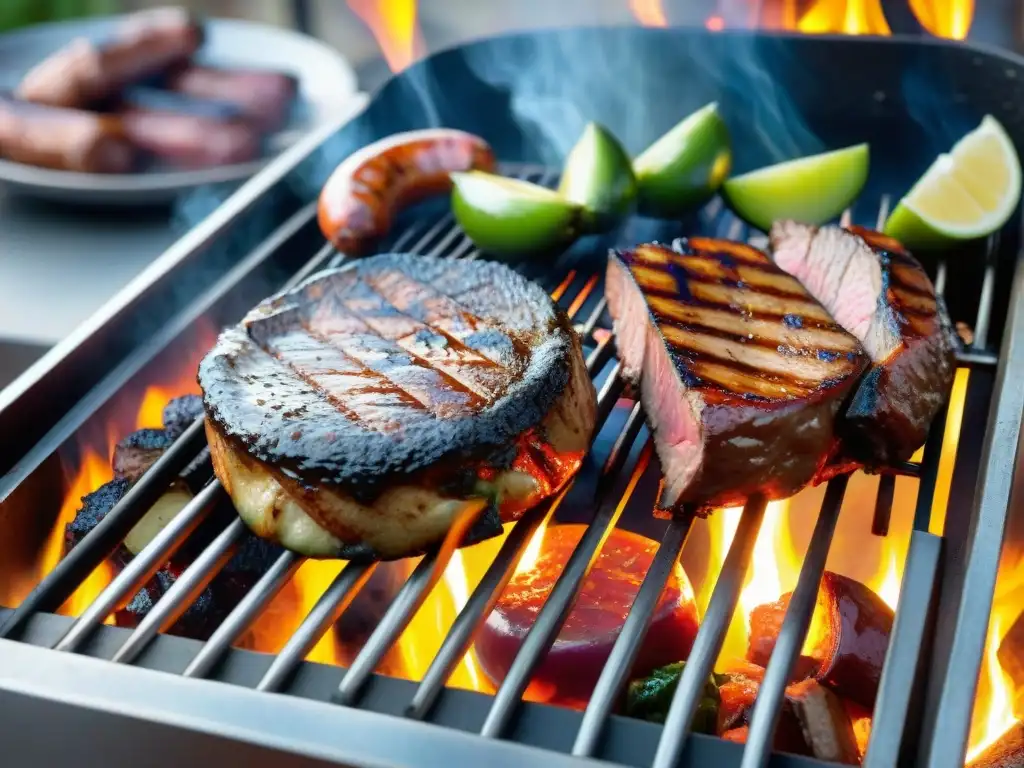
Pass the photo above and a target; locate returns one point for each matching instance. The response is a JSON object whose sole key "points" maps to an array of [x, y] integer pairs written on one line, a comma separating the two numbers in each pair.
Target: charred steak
{"points": [[743, 372], [360, 414], [879, 293]]}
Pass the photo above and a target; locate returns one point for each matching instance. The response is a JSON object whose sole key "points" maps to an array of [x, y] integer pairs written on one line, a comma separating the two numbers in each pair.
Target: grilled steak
{"points": [[880, 294], [741, 372], [360, 414]]}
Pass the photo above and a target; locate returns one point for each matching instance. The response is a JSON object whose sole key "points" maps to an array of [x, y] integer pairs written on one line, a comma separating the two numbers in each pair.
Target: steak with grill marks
{"points": [[879, 293], [741, 372], [363, 413]]}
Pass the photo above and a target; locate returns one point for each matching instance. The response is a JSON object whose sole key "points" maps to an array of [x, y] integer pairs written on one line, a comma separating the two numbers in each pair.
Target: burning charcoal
{"points": [[208, 610], [824, 723], [1011, 659], [1006, 752], [850, 632], [180, 413], [138, 452], [737, 735], [965, 332], [96, 506], [648, 698]]}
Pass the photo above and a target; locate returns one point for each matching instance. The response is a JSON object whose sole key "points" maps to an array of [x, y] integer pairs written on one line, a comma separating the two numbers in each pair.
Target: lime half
{"points": [[511, 217], [811, 190], [969, 193], [684, 168]]}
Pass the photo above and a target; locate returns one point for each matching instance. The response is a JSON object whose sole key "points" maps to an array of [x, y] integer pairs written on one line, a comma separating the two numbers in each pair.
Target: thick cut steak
{"points": [[367, 411], [879, 293], [741, 372]]}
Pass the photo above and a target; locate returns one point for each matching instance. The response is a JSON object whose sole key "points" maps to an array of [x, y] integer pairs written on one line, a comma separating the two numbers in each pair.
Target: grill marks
{"points": [[389, 351], [737, 322]]}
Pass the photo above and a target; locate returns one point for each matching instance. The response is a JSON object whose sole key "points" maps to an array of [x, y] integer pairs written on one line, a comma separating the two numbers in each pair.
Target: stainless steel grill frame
{"points": [[179, 713]]}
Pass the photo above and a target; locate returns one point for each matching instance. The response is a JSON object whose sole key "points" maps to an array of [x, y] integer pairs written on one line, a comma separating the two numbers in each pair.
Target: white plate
{"points": [[327, 85]]}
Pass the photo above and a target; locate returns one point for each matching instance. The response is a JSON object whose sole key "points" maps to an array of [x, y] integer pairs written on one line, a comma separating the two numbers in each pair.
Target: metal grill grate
{"points": [[578, 292]]}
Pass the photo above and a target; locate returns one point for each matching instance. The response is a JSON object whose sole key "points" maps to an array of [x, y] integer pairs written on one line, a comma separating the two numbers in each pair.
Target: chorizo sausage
{"points": [[362, 195], [85, 72], [64, 139]]}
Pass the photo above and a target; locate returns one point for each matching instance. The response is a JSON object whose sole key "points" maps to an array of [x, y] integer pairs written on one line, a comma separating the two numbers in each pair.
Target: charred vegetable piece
{"points": [[850, 631], [568, 672], [136, 453], [368, 189], [824, 723], [513, 218], [180, 413], [684, 168], [649, 698], [599, 177]]}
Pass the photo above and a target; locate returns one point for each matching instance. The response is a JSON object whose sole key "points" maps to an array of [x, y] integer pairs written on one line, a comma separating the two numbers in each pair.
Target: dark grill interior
{"points": [[621, 473]]}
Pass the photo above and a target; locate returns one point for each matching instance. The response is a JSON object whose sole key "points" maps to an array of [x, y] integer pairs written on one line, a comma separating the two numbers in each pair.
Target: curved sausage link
{"points": [[363, 194]]}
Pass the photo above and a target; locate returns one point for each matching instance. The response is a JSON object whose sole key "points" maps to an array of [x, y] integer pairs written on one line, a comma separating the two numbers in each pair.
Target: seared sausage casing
{"points": [[362, 195]]}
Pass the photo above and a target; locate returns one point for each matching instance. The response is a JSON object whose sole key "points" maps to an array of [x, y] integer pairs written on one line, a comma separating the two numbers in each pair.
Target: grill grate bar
{"points": [[988, 287], [185, 589], [477, 607], [397, 617], [710, 636], [794, 628], [620, 661], [328, 608], [555, 610], [142, 567], [883, 505], [58, 585], [244, 614]]}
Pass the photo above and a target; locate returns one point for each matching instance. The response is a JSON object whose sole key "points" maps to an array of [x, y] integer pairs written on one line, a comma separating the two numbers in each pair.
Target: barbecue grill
{"points": [[116, 695]]}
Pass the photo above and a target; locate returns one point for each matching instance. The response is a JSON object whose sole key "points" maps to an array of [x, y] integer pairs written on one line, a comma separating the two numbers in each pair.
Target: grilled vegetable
{"points": [[366, 412], [826, 727], [880, 294], [741, 372], [157, 518], [853, 632], [568, 672], [599, 177], [649, 698], [811, 190], [365, 192], [684, 168], [510, 217]]}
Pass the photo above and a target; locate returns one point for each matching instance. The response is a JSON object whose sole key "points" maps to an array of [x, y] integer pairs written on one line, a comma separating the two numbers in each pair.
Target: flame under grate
{"points": [[580, 294]]}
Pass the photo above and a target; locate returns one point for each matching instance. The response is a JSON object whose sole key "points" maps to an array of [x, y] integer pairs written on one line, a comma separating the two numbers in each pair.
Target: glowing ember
{"points": [[393, 24], [648, 12]]}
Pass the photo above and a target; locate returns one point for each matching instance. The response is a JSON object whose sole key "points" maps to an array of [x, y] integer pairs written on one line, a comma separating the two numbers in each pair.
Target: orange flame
{"points": [[648, 12], [993, 705], [393, 24], [945, 18], [852, 17]]}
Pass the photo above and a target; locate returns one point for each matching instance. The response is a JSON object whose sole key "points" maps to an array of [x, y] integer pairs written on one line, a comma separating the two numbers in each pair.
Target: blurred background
{"points": [[58, 264]]}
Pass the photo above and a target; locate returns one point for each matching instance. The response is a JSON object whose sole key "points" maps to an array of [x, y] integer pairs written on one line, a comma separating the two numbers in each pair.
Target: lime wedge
{"points": [[684, 168], [811, 190], [969, 193], [510, 217], [598, 175]]}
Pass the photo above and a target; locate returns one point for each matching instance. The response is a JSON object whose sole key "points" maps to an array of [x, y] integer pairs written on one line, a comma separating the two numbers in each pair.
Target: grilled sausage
{"points": [[84, 72], [191, 140], [362, 195], [64, 139], [263, 97]]}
